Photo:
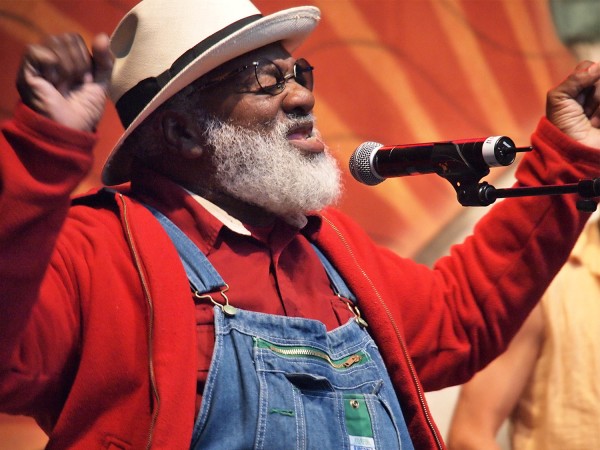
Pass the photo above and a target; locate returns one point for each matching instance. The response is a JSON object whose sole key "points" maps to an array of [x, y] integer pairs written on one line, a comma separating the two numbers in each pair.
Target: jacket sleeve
{"points": [[455, 317], [489, 284], [41, 163]]}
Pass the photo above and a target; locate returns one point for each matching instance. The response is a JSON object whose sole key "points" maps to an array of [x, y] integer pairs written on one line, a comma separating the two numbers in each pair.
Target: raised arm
{"points": [[45, 152]]}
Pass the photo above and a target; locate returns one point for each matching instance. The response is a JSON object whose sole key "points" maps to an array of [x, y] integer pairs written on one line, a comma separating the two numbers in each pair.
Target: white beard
{"points": [[264, 169]]}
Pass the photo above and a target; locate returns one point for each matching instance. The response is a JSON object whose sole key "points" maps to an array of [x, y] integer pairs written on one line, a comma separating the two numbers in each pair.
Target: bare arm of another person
{"points": [[487, 400]]}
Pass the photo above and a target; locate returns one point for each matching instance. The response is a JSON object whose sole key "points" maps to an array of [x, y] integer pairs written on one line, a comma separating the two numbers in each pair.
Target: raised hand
{"points": [[574, 105], [61, 80]]}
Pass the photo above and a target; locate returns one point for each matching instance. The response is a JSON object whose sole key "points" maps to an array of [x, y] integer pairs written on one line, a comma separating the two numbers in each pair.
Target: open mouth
{"points": [[300, 132], [305, 137]]}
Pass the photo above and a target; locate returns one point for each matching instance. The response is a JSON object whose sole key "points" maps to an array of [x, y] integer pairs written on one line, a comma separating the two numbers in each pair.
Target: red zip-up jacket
{"points": [[97, 327]]}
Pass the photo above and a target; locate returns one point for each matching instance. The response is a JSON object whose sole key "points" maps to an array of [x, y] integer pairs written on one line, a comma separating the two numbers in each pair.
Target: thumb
{"points": [[103, 59]]}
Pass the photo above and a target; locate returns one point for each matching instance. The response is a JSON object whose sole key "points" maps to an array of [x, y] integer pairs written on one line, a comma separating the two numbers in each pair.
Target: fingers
{"points": [[61, 80], [70, 63], [60, 67], [65, 62], [29, 73], [61, 60], [581, 86], [103, 58], [589, 97], [585, 75], [574, 105]]}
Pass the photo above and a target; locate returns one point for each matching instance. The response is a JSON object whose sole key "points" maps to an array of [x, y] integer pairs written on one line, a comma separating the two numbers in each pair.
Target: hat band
{"points": [[135, 99]]}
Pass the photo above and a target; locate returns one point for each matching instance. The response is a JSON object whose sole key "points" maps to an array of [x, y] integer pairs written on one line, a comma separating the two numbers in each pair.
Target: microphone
{"points": [[371, 162]]}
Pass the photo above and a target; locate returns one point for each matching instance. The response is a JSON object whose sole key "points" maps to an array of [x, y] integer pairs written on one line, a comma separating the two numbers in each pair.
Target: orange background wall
{"points": [[393, 71]]}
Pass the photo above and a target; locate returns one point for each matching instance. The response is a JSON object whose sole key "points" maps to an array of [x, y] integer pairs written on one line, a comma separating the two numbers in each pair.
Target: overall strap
{"points": [[202, 275], [338, 284]]}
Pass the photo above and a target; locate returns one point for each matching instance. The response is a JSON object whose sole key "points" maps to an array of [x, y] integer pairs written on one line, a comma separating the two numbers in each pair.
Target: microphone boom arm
{"points": [[471, 192]]}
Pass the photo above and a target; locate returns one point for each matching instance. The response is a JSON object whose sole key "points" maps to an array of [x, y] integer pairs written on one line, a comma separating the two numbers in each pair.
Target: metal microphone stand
{"points": [[471, 192]]}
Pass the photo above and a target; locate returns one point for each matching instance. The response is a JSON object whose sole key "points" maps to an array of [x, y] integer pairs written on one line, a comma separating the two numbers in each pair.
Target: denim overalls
{"points": [[279, 382]]}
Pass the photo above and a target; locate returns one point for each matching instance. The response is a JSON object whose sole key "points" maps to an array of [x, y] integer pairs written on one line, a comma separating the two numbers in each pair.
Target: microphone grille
{"points": [[361, 166]]}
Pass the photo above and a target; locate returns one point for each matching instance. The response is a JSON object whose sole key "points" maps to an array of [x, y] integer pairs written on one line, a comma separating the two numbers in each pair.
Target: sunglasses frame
{"points": [[301, 66]]}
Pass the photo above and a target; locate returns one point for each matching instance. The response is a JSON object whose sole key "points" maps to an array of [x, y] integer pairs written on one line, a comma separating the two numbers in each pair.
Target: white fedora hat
{"points": [[161, 46]]}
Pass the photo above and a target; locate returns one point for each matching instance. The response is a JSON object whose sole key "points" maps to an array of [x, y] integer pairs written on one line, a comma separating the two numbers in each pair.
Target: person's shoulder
{"points": [[94, 210]]}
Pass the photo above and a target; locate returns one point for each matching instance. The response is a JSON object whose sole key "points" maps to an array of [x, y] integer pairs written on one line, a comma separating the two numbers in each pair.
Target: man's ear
{"points": [[181, 134]]}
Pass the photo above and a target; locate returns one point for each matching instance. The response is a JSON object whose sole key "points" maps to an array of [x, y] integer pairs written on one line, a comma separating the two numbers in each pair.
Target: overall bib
{"points": [[278, 382]]}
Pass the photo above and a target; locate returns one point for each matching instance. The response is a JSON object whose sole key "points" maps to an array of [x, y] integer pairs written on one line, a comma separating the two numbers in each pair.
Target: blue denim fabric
{"points": [[200, 272], [279, 382], [258, 398]]}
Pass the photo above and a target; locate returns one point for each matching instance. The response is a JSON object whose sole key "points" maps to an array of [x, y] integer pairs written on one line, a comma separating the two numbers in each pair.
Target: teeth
{"points": [[306, 134]]}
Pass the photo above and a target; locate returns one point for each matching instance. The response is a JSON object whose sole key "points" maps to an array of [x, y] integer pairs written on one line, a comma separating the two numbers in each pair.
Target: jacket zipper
{"points": [[147, 296], [412, 370], [304, 351]]}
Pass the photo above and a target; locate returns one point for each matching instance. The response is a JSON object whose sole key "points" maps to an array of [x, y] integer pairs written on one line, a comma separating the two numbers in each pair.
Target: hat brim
{"points": [[290, 26]]}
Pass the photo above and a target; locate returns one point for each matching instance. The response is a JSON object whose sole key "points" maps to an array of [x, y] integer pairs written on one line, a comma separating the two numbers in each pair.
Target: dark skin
{"points": [[58, 80], [186, 158]]}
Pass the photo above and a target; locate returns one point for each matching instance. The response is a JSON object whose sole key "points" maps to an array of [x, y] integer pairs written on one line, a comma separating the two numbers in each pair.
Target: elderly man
{"points": [[211, 298]]}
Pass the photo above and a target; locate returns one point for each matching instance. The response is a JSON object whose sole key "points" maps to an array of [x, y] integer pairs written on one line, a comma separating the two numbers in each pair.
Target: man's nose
{"points": [[298, 99]]}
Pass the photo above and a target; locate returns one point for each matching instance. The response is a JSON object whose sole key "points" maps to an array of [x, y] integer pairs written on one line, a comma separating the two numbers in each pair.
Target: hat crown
{"points": [[156, 32]]}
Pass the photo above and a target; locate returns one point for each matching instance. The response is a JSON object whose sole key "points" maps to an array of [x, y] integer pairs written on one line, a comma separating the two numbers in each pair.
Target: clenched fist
{"points": [[61, 80]]}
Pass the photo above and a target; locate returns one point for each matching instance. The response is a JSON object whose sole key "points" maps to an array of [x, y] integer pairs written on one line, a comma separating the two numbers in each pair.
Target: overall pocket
{"points": [[310, 399]]}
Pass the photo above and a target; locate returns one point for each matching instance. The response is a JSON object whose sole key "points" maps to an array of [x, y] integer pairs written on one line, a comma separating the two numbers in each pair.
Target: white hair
{"points": [[264, 169]]}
